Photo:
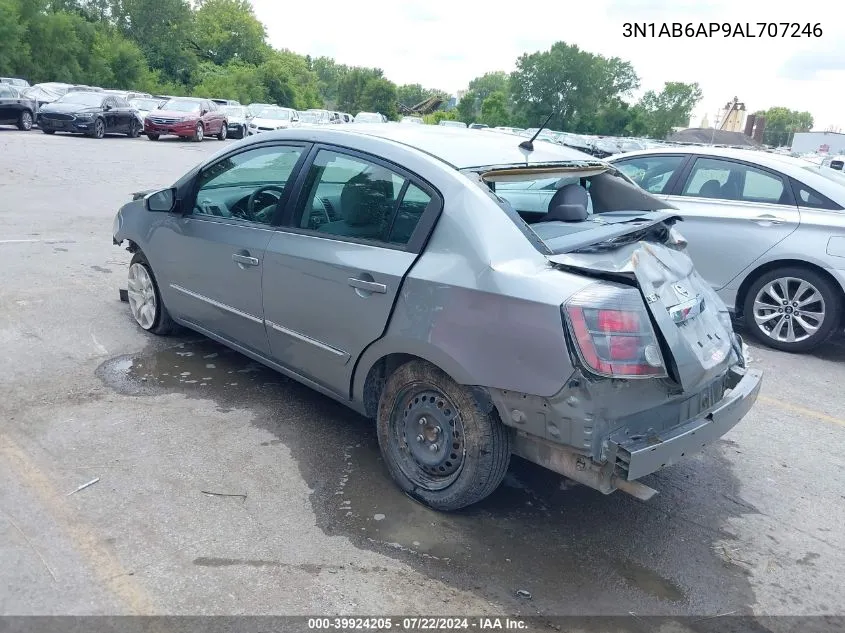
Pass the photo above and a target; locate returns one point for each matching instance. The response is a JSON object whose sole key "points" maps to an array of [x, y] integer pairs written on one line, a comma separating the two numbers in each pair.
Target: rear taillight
{"points": [[613, 333]]}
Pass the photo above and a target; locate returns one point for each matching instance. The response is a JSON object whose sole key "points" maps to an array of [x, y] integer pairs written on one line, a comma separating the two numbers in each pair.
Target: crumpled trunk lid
{"points": [[698, 340]]}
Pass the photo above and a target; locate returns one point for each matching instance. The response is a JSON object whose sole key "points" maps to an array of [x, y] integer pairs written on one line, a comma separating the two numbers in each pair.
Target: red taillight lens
{"points": [[624, 347], [613, 332], [618, 321]]}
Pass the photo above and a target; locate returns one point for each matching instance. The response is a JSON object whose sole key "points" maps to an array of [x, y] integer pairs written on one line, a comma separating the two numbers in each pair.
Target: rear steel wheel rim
{"points": [[427, 436], [789, 310], [142, 296]]}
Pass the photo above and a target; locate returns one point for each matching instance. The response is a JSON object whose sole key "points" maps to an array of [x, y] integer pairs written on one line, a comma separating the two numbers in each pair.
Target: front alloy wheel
{"points": [[145, 302], [793, 310], [99, 129], [25, 121], [142, 296], [199, 133]]}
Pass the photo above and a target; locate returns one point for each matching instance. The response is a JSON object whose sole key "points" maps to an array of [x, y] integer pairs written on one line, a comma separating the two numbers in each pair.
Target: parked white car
{"points": [[271, 119], [766, 231]]}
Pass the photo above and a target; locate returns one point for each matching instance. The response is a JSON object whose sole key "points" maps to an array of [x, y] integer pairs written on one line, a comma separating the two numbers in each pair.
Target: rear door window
{"points": [[728, 180]]}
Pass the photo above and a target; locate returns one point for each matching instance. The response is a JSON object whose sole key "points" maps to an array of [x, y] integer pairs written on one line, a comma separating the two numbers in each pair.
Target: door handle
{"points": [[369, 286], [767, 219], [244, 260]]}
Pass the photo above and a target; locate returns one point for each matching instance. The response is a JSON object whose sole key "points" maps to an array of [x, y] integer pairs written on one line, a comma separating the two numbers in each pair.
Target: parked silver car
{"points": [[767, 231], [378, 265]]}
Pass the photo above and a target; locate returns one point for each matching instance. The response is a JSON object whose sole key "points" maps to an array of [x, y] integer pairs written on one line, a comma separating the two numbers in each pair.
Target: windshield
{"points": [[180, 105], [145, 104], [235, 111], [276, 115], [82, 98]]}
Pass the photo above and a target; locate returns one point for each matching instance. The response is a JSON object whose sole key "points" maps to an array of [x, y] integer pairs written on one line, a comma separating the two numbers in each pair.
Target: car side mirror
{"points": [[163, 201], [106, 108], [204, 112]]}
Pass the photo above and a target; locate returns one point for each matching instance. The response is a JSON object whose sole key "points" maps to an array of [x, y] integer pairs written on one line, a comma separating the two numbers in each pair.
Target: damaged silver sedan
{"points": [[405, 272]]}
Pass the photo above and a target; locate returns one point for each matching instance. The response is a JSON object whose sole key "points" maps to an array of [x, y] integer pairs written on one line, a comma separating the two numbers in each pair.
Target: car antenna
{"points": [[528, 145]]}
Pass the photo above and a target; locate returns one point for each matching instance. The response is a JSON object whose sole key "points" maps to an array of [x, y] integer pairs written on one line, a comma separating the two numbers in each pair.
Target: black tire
{"points": [[48, 131], [199, 133], [224, 132], [99, 129], [153, 137], [831, 303], [420, 398], [134, 129], [163, 324], [25, 121]]}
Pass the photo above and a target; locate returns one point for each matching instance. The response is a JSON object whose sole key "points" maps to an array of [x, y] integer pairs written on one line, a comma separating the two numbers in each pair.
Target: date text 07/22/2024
{"points": [[722, 29]]}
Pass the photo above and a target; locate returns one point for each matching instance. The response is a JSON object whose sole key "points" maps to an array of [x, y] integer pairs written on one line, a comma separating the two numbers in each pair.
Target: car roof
{"points": [[766, 159], [460, 147]]}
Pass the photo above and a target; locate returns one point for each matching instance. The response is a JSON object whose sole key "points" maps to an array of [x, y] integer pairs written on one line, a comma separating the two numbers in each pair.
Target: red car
{"points": [[188, 118]]}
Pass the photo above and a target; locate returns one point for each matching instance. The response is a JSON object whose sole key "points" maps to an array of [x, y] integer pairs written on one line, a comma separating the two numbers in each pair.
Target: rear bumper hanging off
{"points": [[637, 458]]}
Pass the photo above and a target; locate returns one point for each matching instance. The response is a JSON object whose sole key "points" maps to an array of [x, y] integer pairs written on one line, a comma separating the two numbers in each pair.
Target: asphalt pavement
{"points": [[224, 488]]}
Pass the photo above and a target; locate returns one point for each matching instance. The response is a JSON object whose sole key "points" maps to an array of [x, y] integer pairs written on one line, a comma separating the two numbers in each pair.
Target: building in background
{"points": [[732, 116], [818, 142]]}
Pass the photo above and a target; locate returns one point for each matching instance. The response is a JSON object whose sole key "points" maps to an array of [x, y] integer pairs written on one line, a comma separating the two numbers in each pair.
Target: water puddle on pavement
{"points": [[571, 549]]}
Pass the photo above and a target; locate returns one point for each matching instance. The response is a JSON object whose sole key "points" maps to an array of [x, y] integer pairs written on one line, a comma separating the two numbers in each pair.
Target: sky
{"points": [[446, 44]]}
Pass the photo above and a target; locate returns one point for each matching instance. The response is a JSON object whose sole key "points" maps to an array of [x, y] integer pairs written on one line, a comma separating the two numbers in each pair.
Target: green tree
{"points": [[782, 123], [379, 95], [303, 80], [237, 80], [668, 108], [163, 30], [410, 95], [328, 75], [468, 107], [569, 82], [350, 88], [227, 30], [14, 47], [494, 111], [489, 83]]}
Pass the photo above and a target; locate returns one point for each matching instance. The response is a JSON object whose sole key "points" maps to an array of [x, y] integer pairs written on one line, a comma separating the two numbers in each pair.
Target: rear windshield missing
{"points": [[560, 209]]}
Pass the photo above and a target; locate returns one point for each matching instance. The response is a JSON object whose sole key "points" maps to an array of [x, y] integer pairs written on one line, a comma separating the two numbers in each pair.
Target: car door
{"points": [[212, 256], [110, 115], [125, 113], [331, 276], [733, 213], [10, 103]]}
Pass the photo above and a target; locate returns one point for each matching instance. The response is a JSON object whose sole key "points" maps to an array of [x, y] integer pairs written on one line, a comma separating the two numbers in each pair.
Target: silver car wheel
{"points": [[789, 310], [142, 296]]}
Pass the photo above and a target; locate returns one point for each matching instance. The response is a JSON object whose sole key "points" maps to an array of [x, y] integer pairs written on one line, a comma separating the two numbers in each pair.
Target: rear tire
{"points": [[224, 132], [134, 129], [25, 121], [155, 318], [810, 300], [439, 445], [153, 137]]}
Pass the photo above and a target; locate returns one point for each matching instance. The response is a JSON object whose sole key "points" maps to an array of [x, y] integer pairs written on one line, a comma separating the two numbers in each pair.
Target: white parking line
{"points": [[30, 241]]}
